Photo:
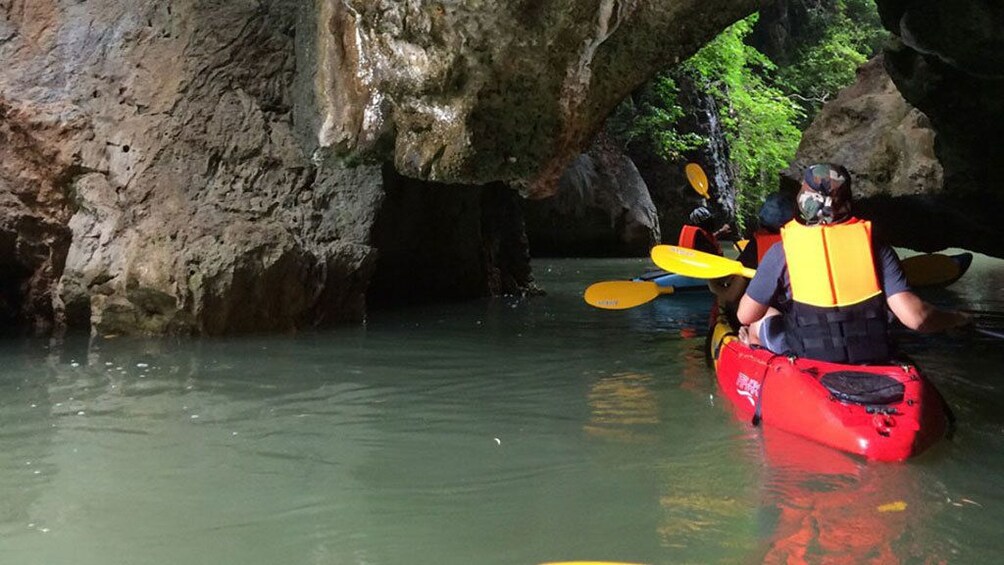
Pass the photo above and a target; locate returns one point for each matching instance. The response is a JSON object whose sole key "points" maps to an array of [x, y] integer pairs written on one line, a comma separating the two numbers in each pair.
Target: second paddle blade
{"points": [[620, 295], [693, 263]]}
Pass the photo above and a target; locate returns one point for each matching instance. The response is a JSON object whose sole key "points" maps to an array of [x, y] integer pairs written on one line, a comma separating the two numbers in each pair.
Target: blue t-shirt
{"points": [[772, 287]]}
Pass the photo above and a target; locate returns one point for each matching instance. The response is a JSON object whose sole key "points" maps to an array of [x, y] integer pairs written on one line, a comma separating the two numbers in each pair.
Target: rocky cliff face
{"points": [[949, 63], [602, 207], [216, 166], [889, 147], [475, 92], [887, 144], [152, 179]]}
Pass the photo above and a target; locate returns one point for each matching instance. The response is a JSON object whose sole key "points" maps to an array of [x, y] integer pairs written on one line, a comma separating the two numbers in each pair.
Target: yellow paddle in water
{"points": [[620, 295], [693, 263], [697, 178], [932, 269]]}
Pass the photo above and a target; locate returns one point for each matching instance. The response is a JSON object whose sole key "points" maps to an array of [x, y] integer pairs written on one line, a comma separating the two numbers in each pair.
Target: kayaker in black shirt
{"points": [[707, 239], [824, 291]]}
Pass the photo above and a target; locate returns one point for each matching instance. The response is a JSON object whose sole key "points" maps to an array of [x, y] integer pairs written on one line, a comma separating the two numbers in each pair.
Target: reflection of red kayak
{"points": [[885, 413]]}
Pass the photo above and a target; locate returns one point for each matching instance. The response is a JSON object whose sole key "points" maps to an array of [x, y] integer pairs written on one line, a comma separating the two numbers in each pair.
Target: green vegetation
{"points": [[759, 121], [763, 107], [848, 37], [650, 117]]}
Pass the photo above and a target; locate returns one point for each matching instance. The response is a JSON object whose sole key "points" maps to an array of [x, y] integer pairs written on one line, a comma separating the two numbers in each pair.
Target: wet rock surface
{"points": [[217, 166], [602, 208], [949, 63], [157, 184], [887, 144]]}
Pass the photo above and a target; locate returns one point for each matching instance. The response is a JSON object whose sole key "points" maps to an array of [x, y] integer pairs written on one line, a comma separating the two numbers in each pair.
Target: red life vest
{"points": [[693, 237]]}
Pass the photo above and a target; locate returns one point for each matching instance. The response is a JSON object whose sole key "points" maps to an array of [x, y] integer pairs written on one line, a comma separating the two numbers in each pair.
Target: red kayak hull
{"points": [[791, 396]]}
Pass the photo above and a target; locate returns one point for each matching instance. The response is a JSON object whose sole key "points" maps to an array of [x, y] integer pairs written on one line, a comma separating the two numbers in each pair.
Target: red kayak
{"points": [[884, 413]]}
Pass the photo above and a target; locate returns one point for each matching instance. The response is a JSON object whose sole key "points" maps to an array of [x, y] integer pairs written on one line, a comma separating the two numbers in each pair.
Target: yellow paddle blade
{"points": [[693, 263], [932, 269], [697, 178], [619, 295], [741, 244], [588, 563]]}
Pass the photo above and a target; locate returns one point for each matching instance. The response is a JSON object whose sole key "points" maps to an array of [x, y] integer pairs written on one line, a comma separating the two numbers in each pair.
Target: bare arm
{"points": [[750, 310], [918, 315]]}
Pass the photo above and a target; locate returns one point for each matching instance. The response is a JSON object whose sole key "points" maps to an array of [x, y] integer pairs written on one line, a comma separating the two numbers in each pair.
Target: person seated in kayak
{"points": [[705, 237], [777, 210], [824, 292]]}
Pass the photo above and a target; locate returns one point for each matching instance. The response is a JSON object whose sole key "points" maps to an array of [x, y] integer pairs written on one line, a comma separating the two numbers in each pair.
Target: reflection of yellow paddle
{"points": [[932, 269], [620, 295], [697, 178], [693, 263]]}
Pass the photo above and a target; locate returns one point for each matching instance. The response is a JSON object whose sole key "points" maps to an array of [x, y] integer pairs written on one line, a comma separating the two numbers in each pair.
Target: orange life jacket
{"points": [[838, 311], [764, 241]]}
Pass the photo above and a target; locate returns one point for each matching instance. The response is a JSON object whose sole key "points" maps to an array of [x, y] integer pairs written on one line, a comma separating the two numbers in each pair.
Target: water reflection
{"points": [[497, 432], [619, 404], [834, 508]]}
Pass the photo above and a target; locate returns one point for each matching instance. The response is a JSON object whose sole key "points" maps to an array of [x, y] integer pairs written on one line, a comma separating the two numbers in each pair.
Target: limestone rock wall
{"points": [[887, 144], [151, 178], [474, 92], [216, 166], [948, 62], [602, 207]]}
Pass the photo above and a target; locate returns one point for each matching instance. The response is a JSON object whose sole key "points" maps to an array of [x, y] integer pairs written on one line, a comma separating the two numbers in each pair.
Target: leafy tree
{"points": [[849, 36], [762, 106], [650, 117], [759, 120]]}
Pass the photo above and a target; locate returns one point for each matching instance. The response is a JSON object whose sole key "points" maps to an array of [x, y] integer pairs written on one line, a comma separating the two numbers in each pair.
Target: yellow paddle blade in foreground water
{"points": [[588, 563], [693, 263], [697, 178], [620, 295]]}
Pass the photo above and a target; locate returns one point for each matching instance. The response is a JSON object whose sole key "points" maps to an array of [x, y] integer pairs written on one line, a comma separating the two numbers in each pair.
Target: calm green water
{"points": [[511, 431]]}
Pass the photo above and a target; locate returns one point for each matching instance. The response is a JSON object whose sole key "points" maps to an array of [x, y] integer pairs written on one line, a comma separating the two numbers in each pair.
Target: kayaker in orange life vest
{"points": [[823, 293]]}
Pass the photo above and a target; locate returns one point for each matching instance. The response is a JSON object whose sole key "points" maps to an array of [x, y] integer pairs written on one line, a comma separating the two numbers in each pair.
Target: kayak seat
{"points": [[863, 388]]}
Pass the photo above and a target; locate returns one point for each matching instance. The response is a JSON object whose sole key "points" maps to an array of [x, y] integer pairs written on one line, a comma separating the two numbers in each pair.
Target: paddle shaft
{"points": [[990, 333]]}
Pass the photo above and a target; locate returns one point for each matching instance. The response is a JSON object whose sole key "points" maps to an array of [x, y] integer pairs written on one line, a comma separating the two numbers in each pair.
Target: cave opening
{"points": [[13, 279], [429, 240], [444, 243]]}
